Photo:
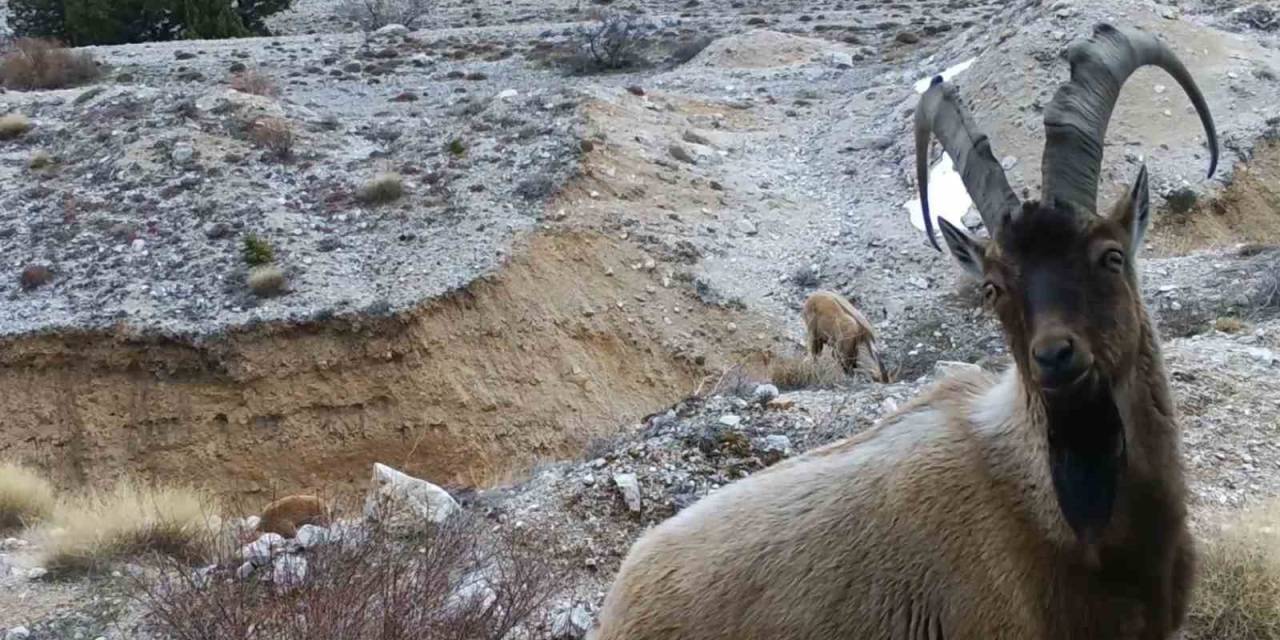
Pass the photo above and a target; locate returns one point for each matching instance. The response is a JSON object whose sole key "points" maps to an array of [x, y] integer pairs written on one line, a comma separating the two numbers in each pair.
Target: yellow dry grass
{"points": [[129, 519], [802, 372], [1237, 595], [26, 497]]}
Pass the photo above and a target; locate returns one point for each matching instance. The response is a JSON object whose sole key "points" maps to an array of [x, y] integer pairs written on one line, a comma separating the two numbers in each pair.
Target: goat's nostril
{"points": [[1054, 354]]}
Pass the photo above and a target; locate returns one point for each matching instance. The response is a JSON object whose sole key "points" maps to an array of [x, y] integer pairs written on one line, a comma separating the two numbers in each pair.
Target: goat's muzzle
{"points": [[1061, 361]]}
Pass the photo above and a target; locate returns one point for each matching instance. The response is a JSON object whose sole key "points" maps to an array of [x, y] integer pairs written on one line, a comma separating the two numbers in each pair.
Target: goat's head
{"points": [[1061, 277]]}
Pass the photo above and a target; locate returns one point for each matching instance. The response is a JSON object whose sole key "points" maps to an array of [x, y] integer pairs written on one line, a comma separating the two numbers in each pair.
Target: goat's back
{"points": [[830, 315], [286, 515], [895, 533]]}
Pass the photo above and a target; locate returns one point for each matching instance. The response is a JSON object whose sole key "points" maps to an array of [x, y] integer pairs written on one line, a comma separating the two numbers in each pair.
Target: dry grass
{"points": [[802, 372], [1237, 595], [26, 497], [255, 82], [33, 63], [1248, 210], [266, 281], [384, 188], [275, 135], [1228, 324], [14, 125], [97, 527], [41, 159]]}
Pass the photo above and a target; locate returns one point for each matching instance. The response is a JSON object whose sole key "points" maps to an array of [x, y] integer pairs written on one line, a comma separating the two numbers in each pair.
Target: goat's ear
{"points": [[968, 251], [1133, 212]]}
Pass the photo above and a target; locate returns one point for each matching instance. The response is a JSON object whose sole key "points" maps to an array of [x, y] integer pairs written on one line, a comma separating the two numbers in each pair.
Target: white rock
{"points": [[730, 420], [245, 570], [17, 633], [764, 393], [183, 152], [475, 592], [309, 535], [35, 573], [408, 503], [746, 226], [508, 94], [288, 571], [571, 624], [260, 551], [777, 443], [840, 60], [392, 31], [630, 488], [250, 523], [947, 368]]}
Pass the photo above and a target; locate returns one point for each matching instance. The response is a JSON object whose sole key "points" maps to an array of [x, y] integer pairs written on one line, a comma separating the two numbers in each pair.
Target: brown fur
{"points": [[286, 515], [831, 320], [944, 521]]}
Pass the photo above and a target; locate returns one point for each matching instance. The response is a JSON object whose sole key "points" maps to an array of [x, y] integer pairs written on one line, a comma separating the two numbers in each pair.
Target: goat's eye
{"points": [[1113, 260], [990, 292]]}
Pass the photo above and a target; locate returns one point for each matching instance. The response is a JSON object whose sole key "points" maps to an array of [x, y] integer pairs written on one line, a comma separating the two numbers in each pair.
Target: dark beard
{"points": [[1086, 456]]}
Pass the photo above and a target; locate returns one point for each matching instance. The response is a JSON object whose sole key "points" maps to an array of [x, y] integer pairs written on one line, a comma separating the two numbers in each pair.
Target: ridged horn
{"points": [[1075, 121], [940, 113]]}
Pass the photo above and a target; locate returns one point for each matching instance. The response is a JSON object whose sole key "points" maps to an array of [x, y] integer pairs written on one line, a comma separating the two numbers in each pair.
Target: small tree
{"points": [[613, 42]]}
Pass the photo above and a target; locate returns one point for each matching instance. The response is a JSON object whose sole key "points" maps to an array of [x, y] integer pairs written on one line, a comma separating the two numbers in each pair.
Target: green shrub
{"points": [[257, 251], [92, 22], [37, 18]]}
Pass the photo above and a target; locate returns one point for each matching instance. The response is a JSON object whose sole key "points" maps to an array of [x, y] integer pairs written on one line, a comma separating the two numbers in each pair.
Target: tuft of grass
{"points": [[256, 251], [789, 373], [14, 125], [33, 63], [1228, 324], [275, 135], [40, 160], [26, 497], [255, 82], [130, 519], [1237, 594], [384, 188], [266, 281], [456, 147]]}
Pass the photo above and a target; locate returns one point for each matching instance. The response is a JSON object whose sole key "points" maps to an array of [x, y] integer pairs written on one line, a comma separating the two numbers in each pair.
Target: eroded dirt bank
{"points": [[528, 365]]}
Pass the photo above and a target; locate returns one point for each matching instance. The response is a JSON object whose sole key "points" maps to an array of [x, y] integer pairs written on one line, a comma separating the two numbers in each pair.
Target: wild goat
{"points": [[286, 515], [830, 320], [1048, 502]]}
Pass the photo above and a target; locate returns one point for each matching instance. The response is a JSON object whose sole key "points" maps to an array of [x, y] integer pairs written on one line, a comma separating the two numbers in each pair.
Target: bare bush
{"points": [[614, 42], [275, 135], [372, 15], [33, 63], [456, 582]]}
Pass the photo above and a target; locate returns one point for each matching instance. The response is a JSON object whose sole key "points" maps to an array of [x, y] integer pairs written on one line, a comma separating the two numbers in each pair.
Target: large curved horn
{"points": [[940, 113], [1075, 121]]}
